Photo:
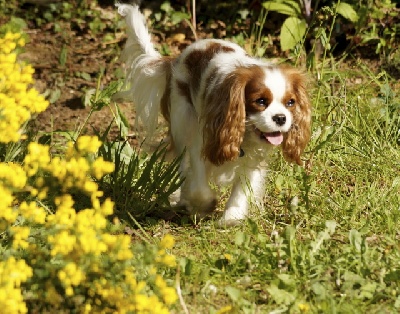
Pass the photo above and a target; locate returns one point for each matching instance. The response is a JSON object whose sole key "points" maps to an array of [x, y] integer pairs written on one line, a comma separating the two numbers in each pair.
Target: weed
{"points": [[294, 28], [140, 186]]}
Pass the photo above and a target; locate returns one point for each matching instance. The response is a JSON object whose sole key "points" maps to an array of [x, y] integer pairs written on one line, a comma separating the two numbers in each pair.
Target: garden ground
{"points": [[328, 241]]}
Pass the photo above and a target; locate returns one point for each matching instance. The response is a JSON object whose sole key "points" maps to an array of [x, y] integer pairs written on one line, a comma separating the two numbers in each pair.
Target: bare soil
{"points": [[62, 81]]}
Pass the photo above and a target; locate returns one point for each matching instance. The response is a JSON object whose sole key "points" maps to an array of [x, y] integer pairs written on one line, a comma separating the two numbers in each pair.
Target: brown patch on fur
{"points": [[224, 118], [296, 140], [198, 60], [256, 89], [209, 82], [184, 90], [165, 103]]}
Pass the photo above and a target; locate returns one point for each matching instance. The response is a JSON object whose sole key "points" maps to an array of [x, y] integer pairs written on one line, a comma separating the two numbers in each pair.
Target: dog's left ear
{"points": [[299, 135], [223, 118]]}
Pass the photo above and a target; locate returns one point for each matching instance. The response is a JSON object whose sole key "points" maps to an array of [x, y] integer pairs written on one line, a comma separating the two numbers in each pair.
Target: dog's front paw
{"points": [[175, 198], [203, 209], [232, 216]]}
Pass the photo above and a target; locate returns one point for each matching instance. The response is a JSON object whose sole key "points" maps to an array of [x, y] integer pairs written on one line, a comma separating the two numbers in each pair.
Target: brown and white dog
{"points": [[226, 109]]}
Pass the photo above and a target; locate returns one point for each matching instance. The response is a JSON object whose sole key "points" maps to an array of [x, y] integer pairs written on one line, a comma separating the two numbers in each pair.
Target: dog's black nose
{"points": [[279, 119]]}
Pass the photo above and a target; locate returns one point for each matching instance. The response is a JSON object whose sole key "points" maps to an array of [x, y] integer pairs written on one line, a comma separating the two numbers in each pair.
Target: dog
{"points": [[225, 109]]}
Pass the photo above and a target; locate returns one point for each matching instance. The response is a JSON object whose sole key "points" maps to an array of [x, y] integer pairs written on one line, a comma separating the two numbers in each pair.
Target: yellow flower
{"points": [[17, 101], [71, 275], [169, 295], [88, 144], [69, 291], [159, 282], [20, 235], [38, 157], [101, 167], [6, 211], [12, 274], [21, 42], [32, 212], [107, 208], [168, 260], [304, 307], [12, 175], [124, 252], [225, 309], [228, 257], [167, 242], [62, 243]]}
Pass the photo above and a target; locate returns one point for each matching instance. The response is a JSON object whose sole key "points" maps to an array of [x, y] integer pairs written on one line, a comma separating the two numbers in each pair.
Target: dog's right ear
{"points": [[223, 119]]}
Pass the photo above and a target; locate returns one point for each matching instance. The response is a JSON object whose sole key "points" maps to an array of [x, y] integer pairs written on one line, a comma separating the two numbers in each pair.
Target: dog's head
{"points": [[270, 101]]}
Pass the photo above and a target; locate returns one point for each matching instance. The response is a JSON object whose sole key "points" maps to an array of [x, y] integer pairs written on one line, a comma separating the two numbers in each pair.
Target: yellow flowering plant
{"points": [[60, 253]]}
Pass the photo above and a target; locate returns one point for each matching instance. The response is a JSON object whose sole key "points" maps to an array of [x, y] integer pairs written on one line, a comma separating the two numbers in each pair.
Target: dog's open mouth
{"points": [[273, 138]]}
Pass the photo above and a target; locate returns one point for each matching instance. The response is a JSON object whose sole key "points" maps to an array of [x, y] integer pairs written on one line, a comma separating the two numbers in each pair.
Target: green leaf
{"points": [[240, 238], [316, 245], [15, 25], [86, 76], [63, 55], [321, 34], [319, 290], [233, 293], [177, 17], [253, 227], [347, 11], [281, 296], [287, 7], [89, 94], [122, 122], [397, 303], [355, 239], [166, 7], [368, 290], [186, 265], [330, 226], [292, 32], [55, 95], [287, 280]]}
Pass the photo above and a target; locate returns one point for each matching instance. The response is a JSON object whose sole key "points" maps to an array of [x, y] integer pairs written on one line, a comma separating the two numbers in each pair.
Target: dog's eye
{"points": [[262, 102], [290, 103]]}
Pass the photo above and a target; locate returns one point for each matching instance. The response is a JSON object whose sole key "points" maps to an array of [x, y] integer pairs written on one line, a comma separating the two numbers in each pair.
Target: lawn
{"points": [[86, 226]]}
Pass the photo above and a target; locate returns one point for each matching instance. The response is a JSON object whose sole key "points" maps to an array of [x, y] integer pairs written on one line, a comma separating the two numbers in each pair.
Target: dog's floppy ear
{"points": [[299, 135], [223, 118]]}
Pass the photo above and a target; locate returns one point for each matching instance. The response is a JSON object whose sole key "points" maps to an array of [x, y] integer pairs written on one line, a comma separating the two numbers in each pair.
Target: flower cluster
{"points": [[55, 257], [166, 243], [63, 174], [86, 259], [12, 177], [12, 274], [17, 100]]}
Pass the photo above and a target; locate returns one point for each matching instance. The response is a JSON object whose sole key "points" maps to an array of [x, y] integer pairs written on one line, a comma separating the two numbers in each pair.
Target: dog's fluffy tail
{"points": [[146, 70]]}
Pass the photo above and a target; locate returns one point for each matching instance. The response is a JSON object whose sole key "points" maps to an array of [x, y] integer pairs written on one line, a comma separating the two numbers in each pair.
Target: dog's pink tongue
{"points": [[274, 138]]}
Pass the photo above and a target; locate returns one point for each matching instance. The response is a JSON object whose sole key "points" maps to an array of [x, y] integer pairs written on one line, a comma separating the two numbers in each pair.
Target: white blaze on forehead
{"points": [[276, 83]]}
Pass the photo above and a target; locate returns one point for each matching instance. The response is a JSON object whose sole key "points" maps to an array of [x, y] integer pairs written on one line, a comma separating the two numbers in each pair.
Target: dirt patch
{"points": [[66, 66]]}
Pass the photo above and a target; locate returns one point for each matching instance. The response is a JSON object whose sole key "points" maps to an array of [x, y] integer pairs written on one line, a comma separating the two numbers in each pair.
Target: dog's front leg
{"points": [[247, 189], [197, 194]]}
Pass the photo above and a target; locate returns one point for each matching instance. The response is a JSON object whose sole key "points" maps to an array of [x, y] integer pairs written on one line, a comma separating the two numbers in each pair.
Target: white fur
{"points": [[146, 84]]}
